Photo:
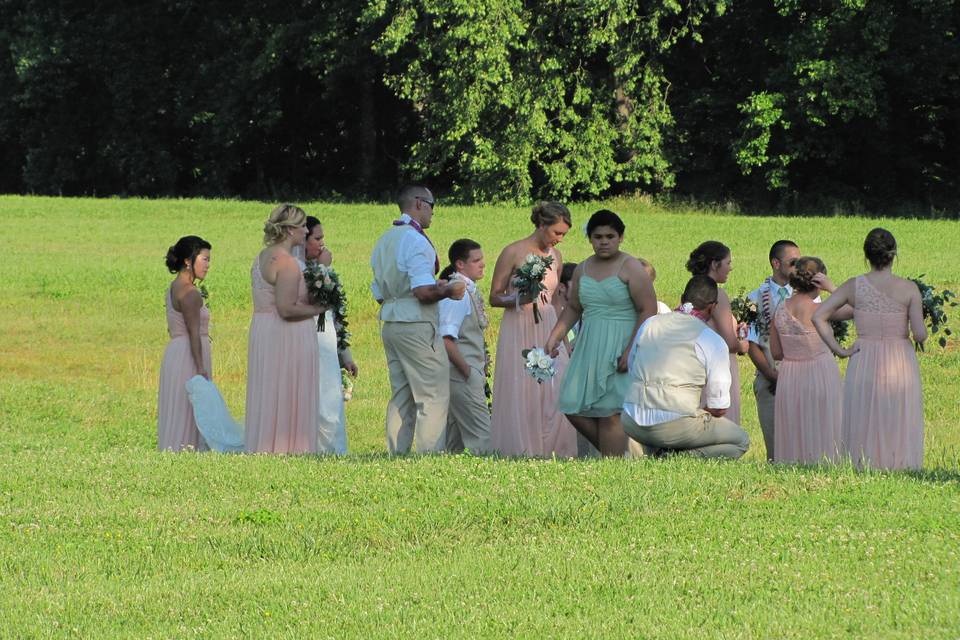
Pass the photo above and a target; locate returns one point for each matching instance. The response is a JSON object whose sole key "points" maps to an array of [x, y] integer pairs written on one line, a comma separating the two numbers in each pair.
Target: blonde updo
{"points": [[547, 213], [282, 218]]}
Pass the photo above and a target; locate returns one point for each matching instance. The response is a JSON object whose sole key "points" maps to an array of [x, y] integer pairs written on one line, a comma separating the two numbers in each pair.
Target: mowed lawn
{"points": [[101, 536]]}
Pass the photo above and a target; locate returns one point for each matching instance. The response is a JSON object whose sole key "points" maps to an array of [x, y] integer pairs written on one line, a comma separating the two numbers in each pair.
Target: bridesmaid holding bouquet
{"points": [[525, 419]]}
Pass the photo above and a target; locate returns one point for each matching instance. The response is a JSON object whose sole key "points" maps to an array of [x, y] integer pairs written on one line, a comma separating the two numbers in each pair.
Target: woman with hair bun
{"points": [[526, 421], [713, 259], [809, 398], [283, 367], [188, 352], [882, 399]]}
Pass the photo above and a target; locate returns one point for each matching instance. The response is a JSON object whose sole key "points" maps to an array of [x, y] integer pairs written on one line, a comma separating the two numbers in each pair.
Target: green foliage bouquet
{"points": [[528, 279], [744, 309], [933, 308], [324, 287]]}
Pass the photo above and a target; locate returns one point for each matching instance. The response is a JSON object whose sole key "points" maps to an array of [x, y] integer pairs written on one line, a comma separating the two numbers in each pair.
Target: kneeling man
{"points": [[676, 358]]}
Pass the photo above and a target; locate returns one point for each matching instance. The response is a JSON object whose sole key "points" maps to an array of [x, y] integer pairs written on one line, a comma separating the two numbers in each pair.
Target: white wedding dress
{"points": [[331, 419]]}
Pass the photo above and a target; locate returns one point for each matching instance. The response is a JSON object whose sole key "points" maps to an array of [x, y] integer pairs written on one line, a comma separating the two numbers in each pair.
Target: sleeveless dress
{"points": [[283, 375], [882, 399], [176, 428], [331, 418], [592, 387], [809, 400], [525, 419]]}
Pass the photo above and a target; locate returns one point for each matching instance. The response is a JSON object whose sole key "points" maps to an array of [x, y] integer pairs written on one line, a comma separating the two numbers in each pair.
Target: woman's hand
{"points": [[325, 257], [552, 348], [351, 368], [847, 352], [624, 360], [824, 283]]}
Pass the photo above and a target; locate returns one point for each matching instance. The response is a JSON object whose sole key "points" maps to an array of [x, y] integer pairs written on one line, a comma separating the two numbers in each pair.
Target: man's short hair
{"points": [[776, 251], [409, 192], [701, 291]]}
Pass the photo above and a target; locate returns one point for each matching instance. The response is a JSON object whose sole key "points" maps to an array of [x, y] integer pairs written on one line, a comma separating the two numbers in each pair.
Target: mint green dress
{"points": [[591, 385]]}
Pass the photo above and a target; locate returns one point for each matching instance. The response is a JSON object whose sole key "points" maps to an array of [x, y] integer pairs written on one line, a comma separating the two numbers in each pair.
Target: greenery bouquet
{"points": [[934, 313], [324, 287], [528, 279]]}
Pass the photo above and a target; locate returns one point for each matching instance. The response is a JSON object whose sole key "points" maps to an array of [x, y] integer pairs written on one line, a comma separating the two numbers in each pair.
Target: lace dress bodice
{"points": [[877, 315]]}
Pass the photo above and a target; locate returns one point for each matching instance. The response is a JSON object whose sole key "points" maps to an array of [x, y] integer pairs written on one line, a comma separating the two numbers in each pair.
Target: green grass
{"points": [[102, 536]]}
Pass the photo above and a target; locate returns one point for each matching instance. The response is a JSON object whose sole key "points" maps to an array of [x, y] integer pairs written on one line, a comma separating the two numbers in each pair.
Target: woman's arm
{"points": [[287, 292], [776, 349], [915, 316], [821, 318], [500, 282], [724, 322], [346, 362], [570, 315], [191, 304], [644, 299]]}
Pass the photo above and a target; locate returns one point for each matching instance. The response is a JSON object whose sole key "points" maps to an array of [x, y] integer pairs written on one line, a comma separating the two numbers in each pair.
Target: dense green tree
{"points": [[551, 98]]}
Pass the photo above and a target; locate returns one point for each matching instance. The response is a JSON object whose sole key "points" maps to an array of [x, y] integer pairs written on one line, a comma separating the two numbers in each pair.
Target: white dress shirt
{"points": [[713, 353], [454, 312], [415, 257]]}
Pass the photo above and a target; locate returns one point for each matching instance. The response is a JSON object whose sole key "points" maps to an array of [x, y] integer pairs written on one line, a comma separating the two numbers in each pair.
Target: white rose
{"points": [[531, 258], [536, 269], [544, 361]]}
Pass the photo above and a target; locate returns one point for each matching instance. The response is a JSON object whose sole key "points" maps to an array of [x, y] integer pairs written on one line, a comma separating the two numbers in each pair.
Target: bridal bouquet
{"points": [[744, 309], [841, 331], [323, 287], [933, 308], [538, 364], [528, 279]]}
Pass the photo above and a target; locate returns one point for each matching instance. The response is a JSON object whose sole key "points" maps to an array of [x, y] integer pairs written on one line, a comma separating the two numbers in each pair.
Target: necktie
{"points": [[419, 229], [782, 292]]}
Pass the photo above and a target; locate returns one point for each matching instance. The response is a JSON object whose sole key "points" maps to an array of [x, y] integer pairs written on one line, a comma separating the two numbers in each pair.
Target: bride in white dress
{"points": [[331, 421]]}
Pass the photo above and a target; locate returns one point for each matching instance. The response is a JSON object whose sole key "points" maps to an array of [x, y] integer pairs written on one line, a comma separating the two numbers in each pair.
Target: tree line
{"points": [[779, 104]]}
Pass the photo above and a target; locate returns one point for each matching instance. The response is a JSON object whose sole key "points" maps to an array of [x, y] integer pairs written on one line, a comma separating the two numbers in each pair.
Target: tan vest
{"points": [[666, 374], [470, 343], [399, 303]]}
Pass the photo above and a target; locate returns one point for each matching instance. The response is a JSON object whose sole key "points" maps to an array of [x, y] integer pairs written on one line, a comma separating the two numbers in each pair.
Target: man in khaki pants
{"points": [[674, 360], [404, 266]]}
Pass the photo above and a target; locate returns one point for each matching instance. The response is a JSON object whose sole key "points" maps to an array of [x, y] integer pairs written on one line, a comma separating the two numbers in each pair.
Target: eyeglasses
{"points": [[429, 202]]}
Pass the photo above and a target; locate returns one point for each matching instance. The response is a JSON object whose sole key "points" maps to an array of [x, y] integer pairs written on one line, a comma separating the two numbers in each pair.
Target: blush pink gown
{"points": [[733, 411], [283, 372], [809, 400], [525, 419], [882, 398], [176, 427]]}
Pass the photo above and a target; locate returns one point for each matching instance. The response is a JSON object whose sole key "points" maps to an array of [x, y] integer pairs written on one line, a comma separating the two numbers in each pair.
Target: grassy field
{"points": [[102, 536]]}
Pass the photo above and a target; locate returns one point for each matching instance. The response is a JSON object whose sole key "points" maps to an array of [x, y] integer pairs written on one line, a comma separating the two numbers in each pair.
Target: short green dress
{"points": [[591, 386]]}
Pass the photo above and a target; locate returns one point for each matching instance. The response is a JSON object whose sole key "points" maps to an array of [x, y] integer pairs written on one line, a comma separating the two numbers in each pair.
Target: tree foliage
{"points": [[767, 102]]}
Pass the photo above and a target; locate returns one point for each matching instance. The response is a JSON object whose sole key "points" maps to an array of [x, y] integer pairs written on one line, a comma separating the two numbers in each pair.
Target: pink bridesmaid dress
{"points": [[882, 399], [525, 419], [283, 373], [176, 427], [809, 399]]}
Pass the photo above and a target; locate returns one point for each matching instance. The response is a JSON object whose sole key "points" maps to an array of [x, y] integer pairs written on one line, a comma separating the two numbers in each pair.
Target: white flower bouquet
{"points": [[538, 364], [528, 280], [324, 287]]}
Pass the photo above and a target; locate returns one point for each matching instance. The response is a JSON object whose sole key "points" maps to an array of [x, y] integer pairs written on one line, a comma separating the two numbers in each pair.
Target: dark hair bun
{"points": [[880, 248], [186, 249], [703, 257]]}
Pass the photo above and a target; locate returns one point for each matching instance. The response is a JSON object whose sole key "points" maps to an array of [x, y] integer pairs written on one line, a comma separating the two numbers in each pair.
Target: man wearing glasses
{"points": [[768, 297], [676, 363], [405, 266]]}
